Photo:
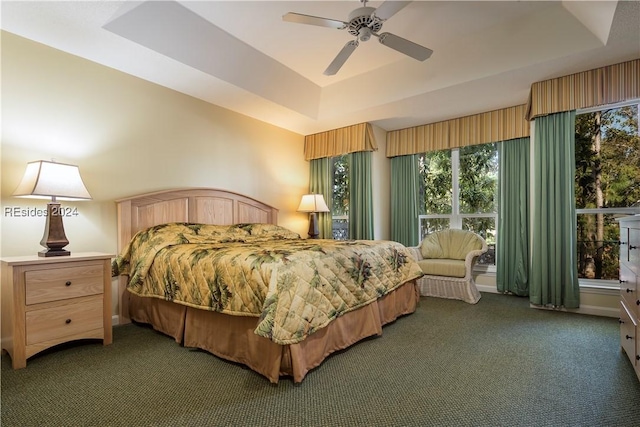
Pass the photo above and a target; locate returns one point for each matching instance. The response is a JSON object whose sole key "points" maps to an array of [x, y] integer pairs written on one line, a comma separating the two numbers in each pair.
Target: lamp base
{"points": [[54, 238], [313, 226], [53, 252]]}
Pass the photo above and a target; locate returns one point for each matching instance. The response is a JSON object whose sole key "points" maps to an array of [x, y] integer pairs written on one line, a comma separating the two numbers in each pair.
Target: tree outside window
{"points": [[435, 191], [340, 197], [607, 185]]}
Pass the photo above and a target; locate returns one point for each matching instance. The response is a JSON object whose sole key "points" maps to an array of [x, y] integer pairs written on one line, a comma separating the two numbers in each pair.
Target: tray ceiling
{"points": [[242, 56]]}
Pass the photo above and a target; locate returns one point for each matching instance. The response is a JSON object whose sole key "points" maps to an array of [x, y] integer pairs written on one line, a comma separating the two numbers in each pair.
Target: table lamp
{"points": [[313, 203], [48, 179]]}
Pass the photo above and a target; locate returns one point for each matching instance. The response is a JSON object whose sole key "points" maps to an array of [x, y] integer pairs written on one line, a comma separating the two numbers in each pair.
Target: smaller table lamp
{"points": [[313, 203], [43, 179]]}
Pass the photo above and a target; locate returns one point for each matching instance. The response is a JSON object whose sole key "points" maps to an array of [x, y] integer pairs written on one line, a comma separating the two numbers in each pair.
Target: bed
{"points": [[263, 340]]}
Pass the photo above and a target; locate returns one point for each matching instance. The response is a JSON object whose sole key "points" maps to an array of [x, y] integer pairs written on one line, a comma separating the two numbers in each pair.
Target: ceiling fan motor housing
{"points": [[363, 17]]}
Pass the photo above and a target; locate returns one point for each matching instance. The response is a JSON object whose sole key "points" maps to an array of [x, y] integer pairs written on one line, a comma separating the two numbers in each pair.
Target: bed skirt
{"points": [[232, 337]]}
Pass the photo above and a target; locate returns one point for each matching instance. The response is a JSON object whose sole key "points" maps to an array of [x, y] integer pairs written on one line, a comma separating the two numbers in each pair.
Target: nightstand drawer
{"points": [[57, 322], [54, 284]]}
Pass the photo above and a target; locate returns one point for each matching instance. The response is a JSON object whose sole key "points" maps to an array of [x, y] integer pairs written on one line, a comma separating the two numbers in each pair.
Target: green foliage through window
{"points": [[341, 185], [435, 183], [340, 197], [607, 176], [478, 178]]}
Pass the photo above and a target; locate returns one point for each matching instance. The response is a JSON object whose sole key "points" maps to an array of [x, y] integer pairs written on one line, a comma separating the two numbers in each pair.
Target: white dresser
{"points": [[630, 289]]}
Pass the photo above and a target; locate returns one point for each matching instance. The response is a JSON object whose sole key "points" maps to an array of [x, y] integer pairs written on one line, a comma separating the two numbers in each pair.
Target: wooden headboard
{"points": [[197, 205]]}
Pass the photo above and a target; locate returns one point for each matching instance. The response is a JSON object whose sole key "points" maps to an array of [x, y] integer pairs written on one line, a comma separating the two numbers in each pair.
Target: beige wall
{"points": [[128, 136]]}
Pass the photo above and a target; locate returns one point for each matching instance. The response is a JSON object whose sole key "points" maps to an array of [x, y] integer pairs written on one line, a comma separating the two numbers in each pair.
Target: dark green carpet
{"points": [[497, 363]]}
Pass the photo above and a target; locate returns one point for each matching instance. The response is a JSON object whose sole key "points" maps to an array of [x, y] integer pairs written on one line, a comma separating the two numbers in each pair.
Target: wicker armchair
{"points": [[447, 258]]}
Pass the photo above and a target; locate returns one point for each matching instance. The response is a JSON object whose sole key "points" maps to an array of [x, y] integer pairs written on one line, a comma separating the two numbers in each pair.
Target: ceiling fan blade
{"points": [[405, 46], [314, 20], [341, 58], [389, 8]]}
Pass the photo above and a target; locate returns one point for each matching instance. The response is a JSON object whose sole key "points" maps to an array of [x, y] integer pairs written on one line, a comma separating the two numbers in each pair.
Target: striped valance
{"points": [[600, 86], [492, 126], [340, 141]]}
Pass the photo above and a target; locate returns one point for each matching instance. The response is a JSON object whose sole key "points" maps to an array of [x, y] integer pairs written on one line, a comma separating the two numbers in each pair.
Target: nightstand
{"points": [[49, 301]]}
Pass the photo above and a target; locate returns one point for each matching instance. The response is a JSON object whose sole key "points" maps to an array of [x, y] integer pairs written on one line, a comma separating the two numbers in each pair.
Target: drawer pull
{"points": [[67, 321], [629, 337], [68, 283], [629, 290], [622, 281], [633, 247], [620, 321], [638, 302], [637, 357]]}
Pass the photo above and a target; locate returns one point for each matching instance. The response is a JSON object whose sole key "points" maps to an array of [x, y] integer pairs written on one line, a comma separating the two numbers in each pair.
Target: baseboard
{"points": [[592, 310], [487, 288]]}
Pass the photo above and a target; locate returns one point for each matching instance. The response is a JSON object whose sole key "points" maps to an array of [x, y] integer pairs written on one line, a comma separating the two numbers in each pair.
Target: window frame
{"points": [[606, 283], [456, 219]]}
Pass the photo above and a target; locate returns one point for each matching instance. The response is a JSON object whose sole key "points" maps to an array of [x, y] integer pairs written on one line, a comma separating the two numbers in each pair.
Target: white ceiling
{"points": [[241, 54]]}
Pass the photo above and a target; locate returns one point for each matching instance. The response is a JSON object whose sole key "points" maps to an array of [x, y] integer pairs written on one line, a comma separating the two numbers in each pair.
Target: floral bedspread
{"points": [[295, 286]]}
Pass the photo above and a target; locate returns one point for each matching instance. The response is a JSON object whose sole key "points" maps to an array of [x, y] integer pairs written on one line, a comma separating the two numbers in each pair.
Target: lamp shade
{"points": [[313, 203], [43, 179]]}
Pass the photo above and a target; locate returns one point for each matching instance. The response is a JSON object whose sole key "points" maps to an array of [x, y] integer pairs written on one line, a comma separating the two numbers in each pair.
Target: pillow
{"points": [[268, 230], [206, 233]]}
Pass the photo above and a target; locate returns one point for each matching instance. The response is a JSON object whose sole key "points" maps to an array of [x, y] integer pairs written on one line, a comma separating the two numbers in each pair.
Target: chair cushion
{"points": [[443, 267], [450, 243]]}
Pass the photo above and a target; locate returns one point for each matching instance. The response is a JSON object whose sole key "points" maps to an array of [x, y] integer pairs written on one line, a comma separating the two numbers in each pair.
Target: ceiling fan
{"points": [[363, 23]]}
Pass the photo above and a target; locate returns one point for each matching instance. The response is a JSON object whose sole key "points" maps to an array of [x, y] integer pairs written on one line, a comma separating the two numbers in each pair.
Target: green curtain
{"points": [[512, 249], [320, 182], [360, 196], [404, 196], [554, 271]]}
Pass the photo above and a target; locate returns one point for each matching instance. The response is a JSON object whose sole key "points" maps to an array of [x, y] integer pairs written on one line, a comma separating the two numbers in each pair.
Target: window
{"points": [[340, 196], [607, 186], [458, 189]]}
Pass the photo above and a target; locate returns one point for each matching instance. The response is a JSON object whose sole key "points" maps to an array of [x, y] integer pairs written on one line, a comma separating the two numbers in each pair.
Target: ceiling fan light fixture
{"points": [[364, 34]]}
